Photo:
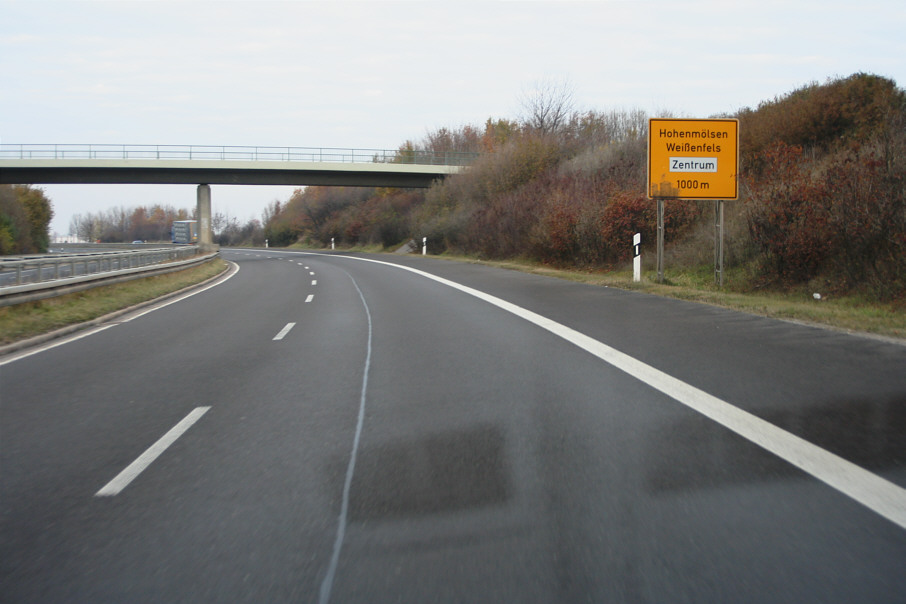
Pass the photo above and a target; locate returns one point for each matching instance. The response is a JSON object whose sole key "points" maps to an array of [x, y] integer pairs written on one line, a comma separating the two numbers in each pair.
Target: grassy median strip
{"points": [[30, 319]]}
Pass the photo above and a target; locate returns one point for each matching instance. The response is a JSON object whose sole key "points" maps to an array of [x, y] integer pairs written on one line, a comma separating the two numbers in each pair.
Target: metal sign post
{"points": [[660, 240], [719, 242]]}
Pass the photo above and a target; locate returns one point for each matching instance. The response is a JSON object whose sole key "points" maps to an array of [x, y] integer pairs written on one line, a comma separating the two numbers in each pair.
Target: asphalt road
{"points": [[323, 428]]}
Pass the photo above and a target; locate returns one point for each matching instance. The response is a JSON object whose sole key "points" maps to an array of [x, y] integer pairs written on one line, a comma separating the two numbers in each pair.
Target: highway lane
{"points": [[496, 461], [85, 410]]}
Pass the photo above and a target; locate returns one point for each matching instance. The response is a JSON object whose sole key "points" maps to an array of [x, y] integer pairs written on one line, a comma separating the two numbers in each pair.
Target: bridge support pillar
{"points": [[205, 230]]}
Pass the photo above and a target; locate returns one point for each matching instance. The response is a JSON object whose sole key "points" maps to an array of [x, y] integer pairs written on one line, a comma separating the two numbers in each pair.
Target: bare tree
{"points": [[271, 211], [547, 106], [85, 227]]}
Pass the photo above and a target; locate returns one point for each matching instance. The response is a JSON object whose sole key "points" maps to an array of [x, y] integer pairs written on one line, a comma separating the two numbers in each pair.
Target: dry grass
{"points": [[848, 313], [23, 321]]}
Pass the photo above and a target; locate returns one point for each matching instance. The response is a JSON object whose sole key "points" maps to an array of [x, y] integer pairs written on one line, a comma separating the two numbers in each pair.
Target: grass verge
{"points": [[846, 313], [30, 319]]}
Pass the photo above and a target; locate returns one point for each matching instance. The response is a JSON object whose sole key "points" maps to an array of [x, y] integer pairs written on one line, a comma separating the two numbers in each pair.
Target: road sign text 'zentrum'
{"points": [[693, 158]]}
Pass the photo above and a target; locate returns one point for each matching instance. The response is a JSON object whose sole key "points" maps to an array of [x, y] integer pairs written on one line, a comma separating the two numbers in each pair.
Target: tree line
{"points": [[822, 173], [25, 215], [127, 224], [822, 203], [153, 223]]}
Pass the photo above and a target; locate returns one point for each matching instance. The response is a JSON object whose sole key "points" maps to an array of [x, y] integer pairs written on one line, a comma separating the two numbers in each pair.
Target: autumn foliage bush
{"points": [[628, 214], [842, 220], [820, 117], [788, 216], [579, 211], [833, 209], [867, 217], [822, 173], [25, 214]]}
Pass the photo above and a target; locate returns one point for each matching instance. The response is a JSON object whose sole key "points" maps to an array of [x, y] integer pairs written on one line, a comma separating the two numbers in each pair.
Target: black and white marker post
{"points": [[637, 257]]}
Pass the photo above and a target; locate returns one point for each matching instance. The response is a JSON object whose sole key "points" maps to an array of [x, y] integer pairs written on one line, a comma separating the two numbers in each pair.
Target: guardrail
{"points": [[53, 267], [236, 153]]}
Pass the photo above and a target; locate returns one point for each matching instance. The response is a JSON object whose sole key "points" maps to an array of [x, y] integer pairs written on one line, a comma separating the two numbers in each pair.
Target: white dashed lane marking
{"points": [[144, 460], [284, 331]]}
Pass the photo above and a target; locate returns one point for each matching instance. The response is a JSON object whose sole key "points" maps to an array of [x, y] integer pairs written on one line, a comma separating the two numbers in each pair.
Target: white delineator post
{"points": [[331, 243], [637, 257], [424, 246]]}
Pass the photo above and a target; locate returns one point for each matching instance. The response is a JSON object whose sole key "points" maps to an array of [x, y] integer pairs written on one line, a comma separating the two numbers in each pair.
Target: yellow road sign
{"points": [[693, 159]]}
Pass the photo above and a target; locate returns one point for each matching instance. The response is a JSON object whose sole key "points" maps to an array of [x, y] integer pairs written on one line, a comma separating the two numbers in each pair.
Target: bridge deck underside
{"points": [[363, 175]]}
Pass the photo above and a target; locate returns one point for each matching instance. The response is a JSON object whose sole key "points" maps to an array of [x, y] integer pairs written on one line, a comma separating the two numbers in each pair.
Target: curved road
{"points": [[330, 428]]}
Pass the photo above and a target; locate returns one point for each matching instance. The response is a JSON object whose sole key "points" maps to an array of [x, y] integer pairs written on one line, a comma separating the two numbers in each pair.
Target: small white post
{"points": [[637, 257], [424, 246], [265, 244], [331, 243]]}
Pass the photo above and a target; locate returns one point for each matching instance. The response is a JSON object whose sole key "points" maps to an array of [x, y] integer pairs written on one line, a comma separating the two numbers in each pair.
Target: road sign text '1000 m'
{"points": [[693, 159]]}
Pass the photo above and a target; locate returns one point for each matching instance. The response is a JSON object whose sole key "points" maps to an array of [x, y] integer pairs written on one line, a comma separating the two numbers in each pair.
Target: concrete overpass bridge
{"points": [[207, 165]]}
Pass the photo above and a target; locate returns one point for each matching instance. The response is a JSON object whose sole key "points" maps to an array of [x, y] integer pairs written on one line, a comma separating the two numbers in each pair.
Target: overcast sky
{"points": [[375, 74]]}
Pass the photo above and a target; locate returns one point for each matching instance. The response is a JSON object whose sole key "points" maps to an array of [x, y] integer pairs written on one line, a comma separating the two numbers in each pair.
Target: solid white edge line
{"points": [[91, 331], [32, 351], [878, 494], [282, 333], [122, 480], [181, 298]]}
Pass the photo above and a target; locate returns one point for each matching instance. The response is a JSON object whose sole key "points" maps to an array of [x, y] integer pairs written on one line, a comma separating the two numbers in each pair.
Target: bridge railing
{"points": [[235, 153]]}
